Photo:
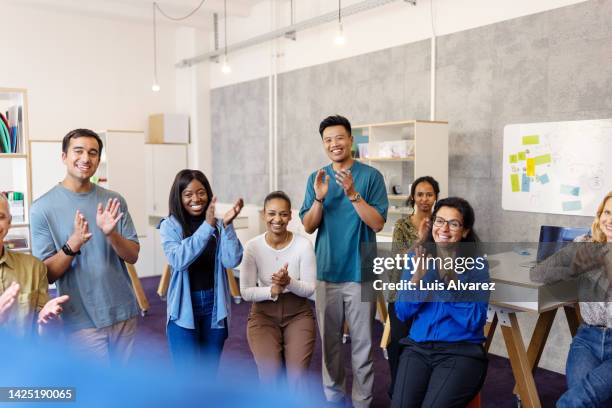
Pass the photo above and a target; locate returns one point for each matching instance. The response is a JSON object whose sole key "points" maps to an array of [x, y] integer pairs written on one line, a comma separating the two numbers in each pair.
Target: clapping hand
{"points": [[233, 212], [280, 280], [321, 184], [424, 227], [6, 301], [589, 256], [80, 234], [108, 217], [344, 178], [52, 309]]}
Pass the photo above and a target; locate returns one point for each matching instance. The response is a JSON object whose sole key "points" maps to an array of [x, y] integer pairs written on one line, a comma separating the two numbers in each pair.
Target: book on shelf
{"points": [[11, 130]]}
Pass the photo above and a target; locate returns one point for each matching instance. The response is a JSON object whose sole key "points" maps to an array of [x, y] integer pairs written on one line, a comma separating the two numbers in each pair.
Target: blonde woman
{"points": [[589, 362]]}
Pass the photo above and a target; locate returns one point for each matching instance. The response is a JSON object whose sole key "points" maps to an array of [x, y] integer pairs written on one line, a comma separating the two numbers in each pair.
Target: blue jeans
{"points": [[198, 348], [589, 369]]}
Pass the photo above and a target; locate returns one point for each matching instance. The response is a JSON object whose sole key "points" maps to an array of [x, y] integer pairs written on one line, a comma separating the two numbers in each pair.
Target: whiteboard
{"points": [[47, 166], [557, 167]]}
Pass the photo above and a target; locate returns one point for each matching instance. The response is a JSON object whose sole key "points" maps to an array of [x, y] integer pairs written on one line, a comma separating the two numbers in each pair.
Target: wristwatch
{"points": [[355, 198], [68, 251], [320, 200]]}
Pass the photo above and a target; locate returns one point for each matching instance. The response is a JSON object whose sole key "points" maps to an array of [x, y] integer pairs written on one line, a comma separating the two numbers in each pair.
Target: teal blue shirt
{"points": [[341, 231]]}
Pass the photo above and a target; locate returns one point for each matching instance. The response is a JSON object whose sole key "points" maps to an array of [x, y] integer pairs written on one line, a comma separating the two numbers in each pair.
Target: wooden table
{"points": [[516, 293]]}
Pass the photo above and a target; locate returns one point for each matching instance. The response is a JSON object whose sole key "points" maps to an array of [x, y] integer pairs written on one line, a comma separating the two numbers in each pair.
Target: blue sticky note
{"points": [[544, 179], [570, 190], [525, 183], [571, 205]]}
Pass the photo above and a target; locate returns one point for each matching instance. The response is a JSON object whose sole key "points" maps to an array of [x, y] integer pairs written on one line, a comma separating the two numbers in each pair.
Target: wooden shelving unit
{"points": [[428, 157], [15, 167]]}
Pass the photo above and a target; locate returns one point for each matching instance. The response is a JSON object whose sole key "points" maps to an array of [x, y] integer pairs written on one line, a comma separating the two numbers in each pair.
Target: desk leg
{"points": [[489, 331], [519, 361], [538, 339], [572, 313]]}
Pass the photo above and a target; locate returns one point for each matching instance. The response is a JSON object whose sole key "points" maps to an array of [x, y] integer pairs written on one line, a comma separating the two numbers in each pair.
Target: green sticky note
{"points": [[571, 205], [531, 139], [514, 180], [522, 156], [543, 159], [513, 158]]}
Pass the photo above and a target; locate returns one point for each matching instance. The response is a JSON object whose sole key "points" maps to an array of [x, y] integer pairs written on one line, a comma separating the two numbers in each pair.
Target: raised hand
{"points": [[80, 232], [233, 212], [52, 309], [321, 184], [6, 301], [210, 212], [344, 178], [108, 217]]}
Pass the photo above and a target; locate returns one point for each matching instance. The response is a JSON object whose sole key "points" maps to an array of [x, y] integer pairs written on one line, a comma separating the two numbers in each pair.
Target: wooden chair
{"points": [[141, 297]]}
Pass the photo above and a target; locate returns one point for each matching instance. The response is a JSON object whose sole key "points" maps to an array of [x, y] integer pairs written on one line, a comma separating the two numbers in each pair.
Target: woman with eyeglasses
{"points": [[589, 263], [407, 232], [443, 363]]}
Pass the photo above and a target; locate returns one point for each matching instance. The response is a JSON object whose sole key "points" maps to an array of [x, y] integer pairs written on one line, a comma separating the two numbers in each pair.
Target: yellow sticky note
{"points": [[521, 156], [513, 158], [543, 159], [531, 139], [530, 167], [514, 180]]}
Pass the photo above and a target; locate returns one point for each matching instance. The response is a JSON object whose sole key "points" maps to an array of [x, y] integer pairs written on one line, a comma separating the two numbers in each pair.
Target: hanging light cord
{"points": [[431, 14], [225, 27], [154, 43], [339, 12], [191, 13]]}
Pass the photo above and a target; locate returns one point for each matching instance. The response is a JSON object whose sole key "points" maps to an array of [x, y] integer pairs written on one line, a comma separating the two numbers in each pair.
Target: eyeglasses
{"points": [[453, 225]]}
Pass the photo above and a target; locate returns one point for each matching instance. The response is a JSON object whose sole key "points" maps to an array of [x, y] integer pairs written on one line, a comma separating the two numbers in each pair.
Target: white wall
{"points": [[84, 71], [387, 26]]}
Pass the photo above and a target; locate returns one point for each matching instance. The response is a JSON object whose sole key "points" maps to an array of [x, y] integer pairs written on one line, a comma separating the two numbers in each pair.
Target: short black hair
{"points": [[175, 201], [277, 195], [471, 246], [335, 120], [424, 179], [76, 133]]}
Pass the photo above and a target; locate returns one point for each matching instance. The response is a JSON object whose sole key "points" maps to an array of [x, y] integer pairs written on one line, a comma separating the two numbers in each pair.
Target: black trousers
{"points": [[399, 330], [439, 374]]}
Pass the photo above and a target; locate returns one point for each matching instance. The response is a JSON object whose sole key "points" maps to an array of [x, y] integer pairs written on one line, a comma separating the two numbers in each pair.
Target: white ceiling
{"points": [[142, 10]]}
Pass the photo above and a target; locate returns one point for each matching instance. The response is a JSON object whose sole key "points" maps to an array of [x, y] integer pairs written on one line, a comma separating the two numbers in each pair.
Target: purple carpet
{"points": [[497, 391]]}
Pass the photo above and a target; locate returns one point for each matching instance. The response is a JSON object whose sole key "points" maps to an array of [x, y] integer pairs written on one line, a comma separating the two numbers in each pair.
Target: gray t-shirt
{"points": [[97, 280]]}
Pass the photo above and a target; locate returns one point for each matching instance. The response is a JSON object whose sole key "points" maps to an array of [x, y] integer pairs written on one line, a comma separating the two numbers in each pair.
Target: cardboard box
{"points": [[168, 128]]}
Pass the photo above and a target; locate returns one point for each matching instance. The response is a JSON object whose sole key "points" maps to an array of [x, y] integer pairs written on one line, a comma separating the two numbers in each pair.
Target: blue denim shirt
{"points": [[181, 252]]}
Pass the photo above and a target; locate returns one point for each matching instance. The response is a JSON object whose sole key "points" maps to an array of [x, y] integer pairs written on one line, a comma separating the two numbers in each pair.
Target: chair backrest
{"points": [[553, 238]]}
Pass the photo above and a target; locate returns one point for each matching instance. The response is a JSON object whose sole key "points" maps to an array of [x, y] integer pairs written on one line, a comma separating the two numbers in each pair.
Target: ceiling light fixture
{"points": [[340, 40]]}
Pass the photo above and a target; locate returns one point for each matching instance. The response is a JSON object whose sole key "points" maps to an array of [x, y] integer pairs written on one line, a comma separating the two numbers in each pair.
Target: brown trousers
{"points": [[282, 331]]}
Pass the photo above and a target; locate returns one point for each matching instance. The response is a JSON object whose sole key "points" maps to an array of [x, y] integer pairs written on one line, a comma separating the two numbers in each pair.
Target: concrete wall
{"points": [[555, 65]]}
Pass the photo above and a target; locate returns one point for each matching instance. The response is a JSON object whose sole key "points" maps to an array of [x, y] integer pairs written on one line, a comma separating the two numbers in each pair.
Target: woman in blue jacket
{"points": [[444, 363], [199, 248]]}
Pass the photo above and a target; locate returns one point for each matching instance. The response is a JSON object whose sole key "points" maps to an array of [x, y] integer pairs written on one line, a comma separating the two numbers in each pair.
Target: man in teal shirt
{"points": [[347, 212]]}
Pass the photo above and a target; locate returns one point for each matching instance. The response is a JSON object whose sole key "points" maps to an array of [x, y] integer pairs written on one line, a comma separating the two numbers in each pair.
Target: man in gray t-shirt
{"points": [[84, 233]]}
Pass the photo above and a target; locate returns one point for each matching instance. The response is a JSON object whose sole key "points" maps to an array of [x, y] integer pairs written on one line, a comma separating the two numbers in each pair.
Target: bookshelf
{"points": [[403, 151], [15, 165]]}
